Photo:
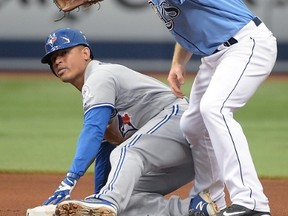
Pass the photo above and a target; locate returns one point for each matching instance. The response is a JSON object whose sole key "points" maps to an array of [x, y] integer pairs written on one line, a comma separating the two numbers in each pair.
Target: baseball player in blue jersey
{"points": [[238, 53], [123, 106]]}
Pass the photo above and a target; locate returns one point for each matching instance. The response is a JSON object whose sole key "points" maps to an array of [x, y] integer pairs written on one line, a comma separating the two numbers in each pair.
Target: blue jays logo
{"points": [[125, 124], [52, 38], [166, 12]]}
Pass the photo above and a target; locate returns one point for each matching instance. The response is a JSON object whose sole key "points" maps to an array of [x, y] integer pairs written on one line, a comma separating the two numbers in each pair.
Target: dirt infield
{"points": [[22, 191]]}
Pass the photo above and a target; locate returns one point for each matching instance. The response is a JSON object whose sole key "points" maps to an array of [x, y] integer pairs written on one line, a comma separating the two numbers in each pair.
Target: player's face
{"points": [[69, 64]]}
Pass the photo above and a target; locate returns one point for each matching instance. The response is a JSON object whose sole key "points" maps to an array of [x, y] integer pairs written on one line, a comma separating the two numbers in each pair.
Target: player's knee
{"points": [[210, 109], [128, 154], [115, 153], [189, 126]]}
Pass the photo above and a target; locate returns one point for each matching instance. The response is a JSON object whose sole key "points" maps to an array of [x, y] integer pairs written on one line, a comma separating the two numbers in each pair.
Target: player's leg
{"points": [[154, 204], [233, 84], [148, 195], [157, 145], [167, 180], [208, 175]]}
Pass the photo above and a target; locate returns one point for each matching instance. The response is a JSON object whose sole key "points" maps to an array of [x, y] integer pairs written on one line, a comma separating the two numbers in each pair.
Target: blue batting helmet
{"points": [[62, 39]]}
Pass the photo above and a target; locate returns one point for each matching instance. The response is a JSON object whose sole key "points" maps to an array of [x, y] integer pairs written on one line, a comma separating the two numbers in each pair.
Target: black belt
{"points": [[257, 21], [232, 40]]}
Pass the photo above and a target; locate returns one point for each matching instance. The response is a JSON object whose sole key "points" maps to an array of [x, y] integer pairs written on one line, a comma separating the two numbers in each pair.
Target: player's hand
{"points": [[176, 80], [113, 133], [64, 190]]}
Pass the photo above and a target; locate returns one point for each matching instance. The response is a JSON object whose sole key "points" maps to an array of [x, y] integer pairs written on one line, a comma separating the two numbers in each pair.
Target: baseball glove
{"points": [[70, 5]]}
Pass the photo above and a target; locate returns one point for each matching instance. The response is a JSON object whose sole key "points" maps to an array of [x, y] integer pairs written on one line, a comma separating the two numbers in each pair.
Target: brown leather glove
{"points": [[69, 5]]}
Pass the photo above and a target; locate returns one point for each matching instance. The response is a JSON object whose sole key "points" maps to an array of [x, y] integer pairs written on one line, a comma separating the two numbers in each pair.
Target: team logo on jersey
{"points": [[166, 12], [86, 95], [85, 91], [126, 126]]}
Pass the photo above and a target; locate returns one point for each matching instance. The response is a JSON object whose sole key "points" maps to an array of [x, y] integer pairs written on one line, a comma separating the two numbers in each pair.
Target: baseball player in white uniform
{"points": [[154, 158], [238, 53]]}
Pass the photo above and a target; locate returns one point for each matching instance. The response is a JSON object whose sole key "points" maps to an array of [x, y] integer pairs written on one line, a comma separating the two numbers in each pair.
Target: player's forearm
{"points": [[181, 56], [90, 139], [87, 148]]}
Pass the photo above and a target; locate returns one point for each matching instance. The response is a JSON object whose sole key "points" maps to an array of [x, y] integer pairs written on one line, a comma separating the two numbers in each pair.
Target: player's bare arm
{"points": [[176, 76]]}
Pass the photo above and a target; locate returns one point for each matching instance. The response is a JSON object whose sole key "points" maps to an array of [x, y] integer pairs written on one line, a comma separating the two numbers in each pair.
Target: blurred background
{"points": [[123, 31]]}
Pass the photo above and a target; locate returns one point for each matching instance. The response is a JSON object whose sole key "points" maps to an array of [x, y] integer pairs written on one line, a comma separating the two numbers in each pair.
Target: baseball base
{"points": [[47, 210]]}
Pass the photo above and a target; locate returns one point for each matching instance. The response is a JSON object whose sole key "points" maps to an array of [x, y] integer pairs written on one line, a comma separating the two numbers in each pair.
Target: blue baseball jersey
{"points": [[200, 26]]}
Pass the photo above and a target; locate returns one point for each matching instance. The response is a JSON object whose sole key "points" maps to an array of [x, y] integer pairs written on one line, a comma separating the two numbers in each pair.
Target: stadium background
{"points": [[123, 31]]}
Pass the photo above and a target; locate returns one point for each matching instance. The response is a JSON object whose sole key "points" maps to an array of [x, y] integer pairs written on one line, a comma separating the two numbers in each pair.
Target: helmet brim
{"points": [[47, 58]]}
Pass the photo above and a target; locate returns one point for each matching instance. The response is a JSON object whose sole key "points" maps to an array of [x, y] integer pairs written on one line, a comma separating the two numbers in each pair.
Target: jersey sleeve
{"points": [[90, 139]]}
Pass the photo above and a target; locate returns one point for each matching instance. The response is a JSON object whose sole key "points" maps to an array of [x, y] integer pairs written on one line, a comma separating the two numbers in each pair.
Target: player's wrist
{"points": [[72, 175]]}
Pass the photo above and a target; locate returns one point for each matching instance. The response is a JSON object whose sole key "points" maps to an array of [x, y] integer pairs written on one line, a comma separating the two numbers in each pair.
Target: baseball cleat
{"points": [[237, 210], [202, 205], [89, 207]]}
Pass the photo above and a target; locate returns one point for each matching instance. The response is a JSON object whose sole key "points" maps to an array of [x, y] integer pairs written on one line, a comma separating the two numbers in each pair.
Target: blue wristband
{"points": [[73, 175]]}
